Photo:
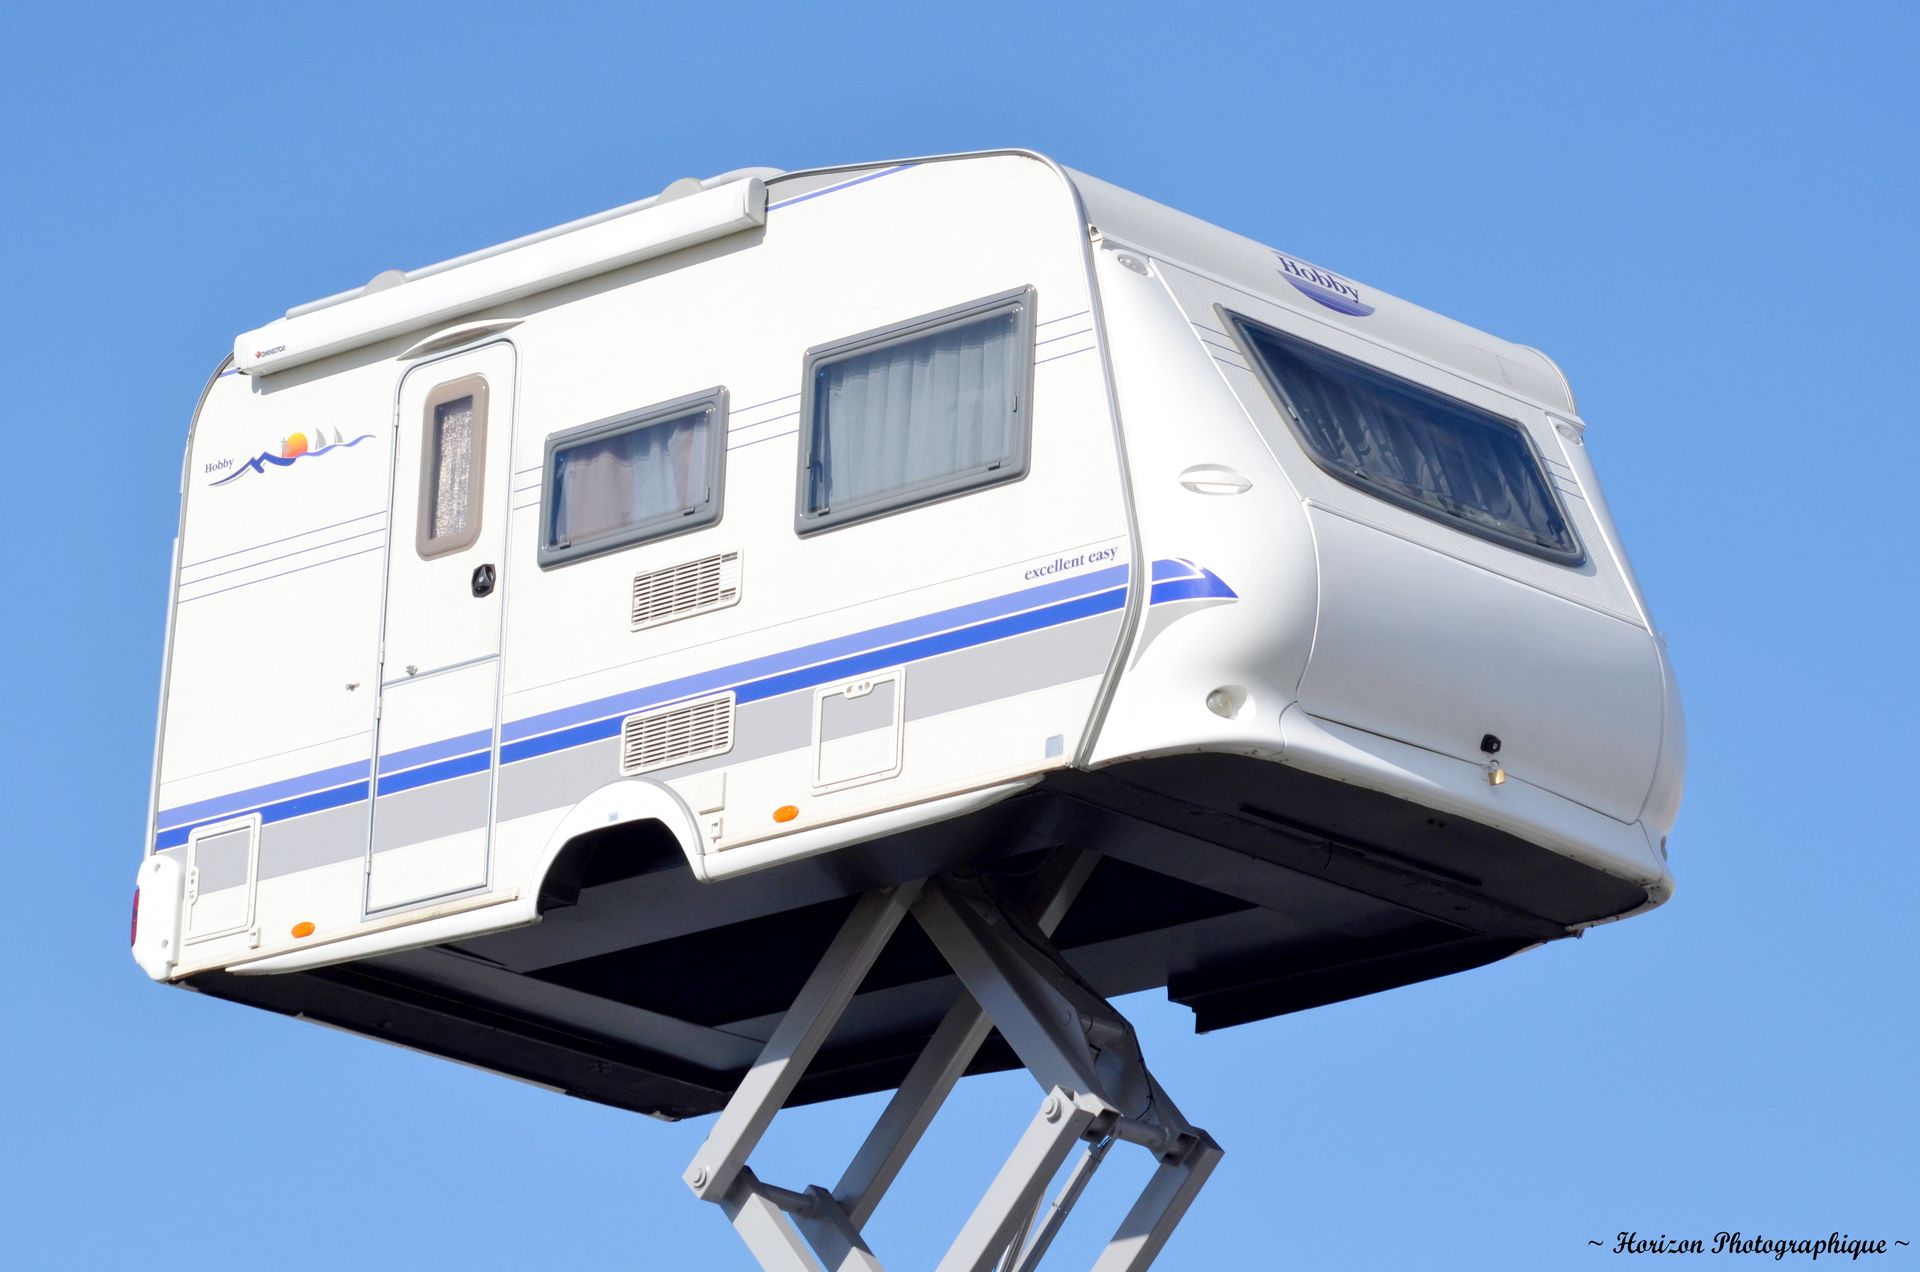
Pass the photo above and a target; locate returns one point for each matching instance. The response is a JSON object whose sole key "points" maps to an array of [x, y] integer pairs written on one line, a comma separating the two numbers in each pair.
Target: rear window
{"points": [[1411, 446]]}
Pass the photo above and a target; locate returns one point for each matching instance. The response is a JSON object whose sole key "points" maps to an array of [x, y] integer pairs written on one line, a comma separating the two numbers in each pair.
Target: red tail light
{"points": [[133, 937]]}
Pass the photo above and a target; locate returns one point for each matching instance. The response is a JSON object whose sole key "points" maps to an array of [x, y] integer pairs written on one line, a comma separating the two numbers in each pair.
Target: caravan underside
{"points": [[1246, 888]]}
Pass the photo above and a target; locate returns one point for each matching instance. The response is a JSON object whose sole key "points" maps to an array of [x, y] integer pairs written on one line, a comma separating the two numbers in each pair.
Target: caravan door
{"points": [[440, 640]]}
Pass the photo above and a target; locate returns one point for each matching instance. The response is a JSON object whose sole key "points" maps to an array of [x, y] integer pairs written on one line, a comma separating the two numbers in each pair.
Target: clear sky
{"points": [[1706, 213]]}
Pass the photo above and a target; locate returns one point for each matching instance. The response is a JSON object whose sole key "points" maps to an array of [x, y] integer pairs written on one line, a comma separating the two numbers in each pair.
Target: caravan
{"points": [[565, 637]]}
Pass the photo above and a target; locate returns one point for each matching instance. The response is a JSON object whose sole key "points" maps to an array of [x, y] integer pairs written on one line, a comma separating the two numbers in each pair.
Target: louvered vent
{"points": [[661, 596], [691, 731]]}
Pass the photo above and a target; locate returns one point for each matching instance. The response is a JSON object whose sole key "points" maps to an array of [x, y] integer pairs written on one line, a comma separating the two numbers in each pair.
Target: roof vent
{"points": [[662, 596], [690, 731], [681, 189], [384, 279]]}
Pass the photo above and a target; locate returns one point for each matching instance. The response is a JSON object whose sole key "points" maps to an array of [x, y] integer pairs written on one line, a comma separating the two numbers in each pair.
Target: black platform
{"points": [[1246, 888]]}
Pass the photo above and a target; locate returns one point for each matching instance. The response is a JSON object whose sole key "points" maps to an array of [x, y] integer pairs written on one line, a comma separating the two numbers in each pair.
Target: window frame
{"points": [[1024, 301], [1241, 326], [655, 528], [424, 541]]}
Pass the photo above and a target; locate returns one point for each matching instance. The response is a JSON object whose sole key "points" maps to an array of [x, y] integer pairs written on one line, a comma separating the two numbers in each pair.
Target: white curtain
{"points": [[452, 468], [628, 479], [913, 415]]}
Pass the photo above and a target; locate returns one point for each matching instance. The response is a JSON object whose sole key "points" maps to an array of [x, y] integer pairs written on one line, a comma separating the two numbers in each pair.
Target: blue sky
{"points": [[1706, 213]]}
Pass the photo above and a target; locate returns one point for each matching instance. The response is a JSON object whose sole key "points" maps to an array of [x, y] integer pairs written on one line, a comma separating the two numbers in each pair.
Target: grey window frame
{"points": [[1023, 301], [424, 542], [663, 526], [1241, 325]]}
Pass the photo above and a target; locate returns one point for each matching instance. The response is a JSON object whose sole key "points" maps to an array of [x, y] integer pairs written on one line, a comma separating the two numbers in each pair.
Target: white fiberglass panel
{"points": [[434, 787], [1415, 645]]}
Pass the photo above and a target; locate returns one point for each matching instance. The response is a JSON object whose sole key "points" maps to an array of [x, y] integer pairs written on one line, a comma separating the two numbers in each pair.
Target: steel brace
{"points": [[1083, 1053]]}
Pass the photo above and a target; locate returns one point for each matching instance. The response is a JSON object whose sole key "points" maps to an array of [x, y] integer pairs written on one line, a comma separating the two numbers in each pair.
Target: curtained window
{"points": [[451, 502], [1423, 450], [453, 466], [917, 412], [637, 477]]}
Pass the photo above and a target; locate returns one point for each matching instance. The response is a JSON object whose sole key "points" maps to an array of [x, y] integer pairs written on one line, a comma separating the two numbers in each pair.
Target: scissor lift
{"points": [[1083, 1053]]}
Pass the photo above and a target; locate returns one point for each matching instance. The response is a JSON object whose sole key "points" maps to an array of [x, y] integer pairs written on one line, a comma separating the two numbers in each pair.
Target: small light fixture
{"points": [[302, 930], [785, 813]]}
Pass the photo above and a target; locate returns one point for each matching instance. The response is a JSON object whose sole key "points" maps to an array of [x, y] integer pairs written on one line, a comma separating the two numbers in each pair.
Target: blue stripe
{"points": [[814, 194], [267, 578], [910, 640], [246, 801], [282, 539], [824, 651], [318, 801], [827, 672], [932, 646], [444, 771], [1192, 590], [284, 556], [394, 761]]}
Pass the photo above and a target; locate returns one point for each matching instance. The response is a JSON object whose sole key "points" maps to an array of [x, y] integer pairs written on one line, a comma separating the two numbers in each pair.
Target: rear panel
{"points": [[270, 695]]}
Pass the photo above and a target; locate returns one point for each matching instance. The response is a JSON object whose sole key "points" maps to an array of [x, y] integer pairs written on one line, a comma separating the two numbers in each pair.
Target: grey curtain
{"points": [[1387, 432], [608, 484], [915, 415]]}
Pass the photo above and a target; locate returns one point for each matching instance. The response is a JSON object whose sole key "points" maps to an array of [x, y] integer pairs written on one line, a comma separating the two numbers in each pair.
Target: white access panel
{"points": [[222, 869], [440, 673], [856, 730]]}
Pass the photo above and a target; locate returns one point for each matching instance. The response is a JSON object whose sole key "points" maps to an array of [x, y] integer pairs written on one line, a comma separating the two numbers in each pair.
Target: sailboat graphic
{"points": [[293, 448]]}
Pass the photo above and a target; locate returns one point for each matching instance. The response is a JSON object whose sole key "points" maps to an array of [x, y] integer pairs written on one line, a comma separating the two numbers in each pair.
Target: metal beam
{"points": [[1018, 983], [1022, 1181], [947, 1055], [797, 1040], [1137, 1242]]}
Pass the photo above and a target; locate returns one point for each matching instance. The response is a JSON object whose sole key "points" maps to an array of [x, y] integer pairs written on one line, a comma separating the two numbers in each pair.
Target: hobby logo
{"points": [[1323, 286]]}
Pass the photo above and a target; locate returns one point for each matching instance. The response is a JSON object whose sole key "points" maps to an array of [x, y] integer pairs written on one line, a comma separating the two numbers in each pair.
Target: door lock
{"points": [[483, 579]]}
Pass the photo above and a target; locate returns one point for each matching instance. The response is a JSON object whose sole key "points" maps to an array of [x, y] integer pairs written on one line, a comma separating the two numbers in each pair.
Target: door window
{"points": [[453, 466]]}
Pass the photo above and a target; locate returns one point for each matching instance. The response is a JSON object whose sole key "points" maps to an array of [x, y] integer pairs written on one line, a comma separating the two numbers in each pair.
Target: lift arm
{"points": [[1083, 1053]]}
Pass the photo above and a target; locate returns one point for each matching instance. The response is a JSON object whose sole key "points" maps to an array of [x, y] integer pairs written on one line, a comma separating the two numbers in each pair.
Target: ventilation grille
{"points": [[662, 596], [691, 731]]}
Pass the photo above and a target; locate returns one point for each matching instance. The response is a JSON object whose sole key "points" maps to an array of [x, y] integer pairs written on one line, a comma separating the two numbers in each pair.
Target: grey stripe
{"points": [[843, 717], [222, 859], [306, 843], [760, 729], [1038, 660], [319, 839], [428, 812], [951, 682]]}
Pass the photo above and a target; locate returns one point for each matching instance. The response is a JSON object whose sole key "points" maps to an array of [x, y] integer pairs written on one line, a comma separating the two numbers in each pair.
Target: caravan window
{"points": [[453, 464], [644, 475], [1412, 446], [916, 412]]}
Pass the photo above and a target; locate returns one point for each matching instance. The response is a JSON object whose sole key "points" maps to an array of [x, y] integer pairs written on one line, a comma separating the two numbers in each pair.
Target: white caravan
{"points": [[564, 636]]}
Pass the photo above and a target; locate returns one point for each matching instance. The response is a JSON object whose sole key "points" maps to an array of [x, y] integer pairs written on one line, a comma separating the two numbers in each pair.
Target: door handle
{"points": [[483, 579]]}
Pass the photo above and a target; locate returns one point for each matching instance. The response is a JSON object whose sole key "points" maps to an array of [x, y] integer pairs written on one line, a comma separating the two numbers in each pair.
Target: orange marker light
{"points": [[303, 928], [785, 813]]}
